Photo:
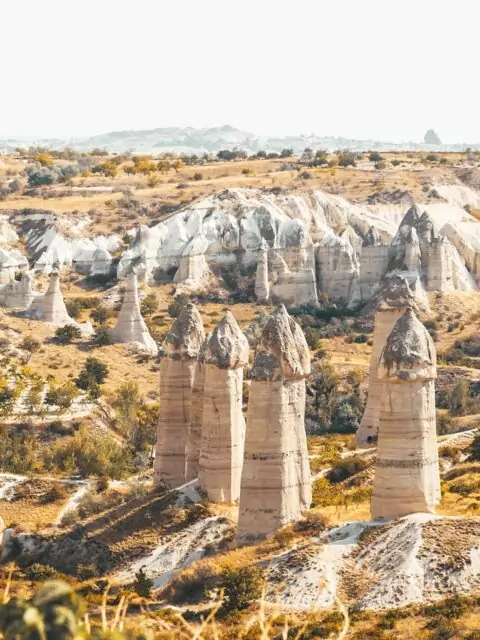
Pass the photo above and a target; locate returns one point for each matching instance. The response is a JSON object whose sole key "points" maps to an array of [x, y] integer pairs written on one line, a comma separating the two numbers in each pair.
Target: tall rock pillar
{"points": [[262, 286], [393, 300], [223, 424], [407, 476], [276, 485], [177, 368], [196, 416]]}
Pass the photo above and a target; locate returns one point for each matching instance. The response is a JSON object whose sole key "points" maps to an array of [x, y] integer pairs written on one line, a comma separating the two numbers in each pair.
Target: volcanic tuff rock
{"points": [[196, 415], [393, 300], [50, 306], [18, 294], [130, 326], [275, 486], [177, 369], [262, 285], [407, 476], [223, 424]]}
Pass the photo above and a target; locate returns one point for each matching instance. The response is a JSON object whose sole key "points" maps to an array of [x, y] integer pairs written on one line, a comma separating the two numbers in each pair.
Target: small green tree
{"points": [[68, 333], [92, 375], [100, 315], [241, 587], [375, 156], [149, 305], [177, 305], [142, 585], [61, 397]]}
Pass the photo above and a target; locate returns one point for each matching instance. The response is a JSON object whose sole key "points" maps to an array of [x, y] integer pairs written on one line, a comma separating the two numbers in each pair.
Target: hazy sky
{"points": [[356, 68]]}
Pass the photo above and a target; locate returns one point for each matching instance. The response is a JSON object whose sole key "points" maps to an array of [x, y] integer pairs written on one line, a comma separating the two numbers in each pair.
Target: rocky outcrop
{"points": [[275, 486], [193, 267], [50, 306], [262, 285], [196, 416], [223, 424], [18, 294], [338, 269], [177, 369], [130, 327], [374, 258], [407, 476], [393, 300]]}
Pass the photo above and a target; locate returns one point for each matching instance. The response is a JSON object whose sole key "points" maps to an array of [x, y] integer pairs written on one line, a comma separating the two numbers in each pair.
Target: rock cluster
{"points": [[130, 327], [262, 285], [223, 424], [407, 476], [18, 294], [393, 300], [177, 372], [276, 486]]}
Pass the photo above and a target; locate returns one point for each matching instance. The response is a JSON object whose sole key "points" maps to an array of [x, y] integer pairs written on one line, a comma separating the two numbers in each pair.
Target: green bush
{"points": [[177, 305], [142, 585], [68, 333], [346, 468], [241, 587]]}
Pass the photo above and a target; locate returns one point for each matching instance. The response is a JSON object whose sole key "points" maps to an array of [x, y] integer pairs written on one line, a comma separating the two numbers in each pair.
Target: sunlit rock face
{"points": [[407, 478], [276, 486], [223, 424], [177, 372]]}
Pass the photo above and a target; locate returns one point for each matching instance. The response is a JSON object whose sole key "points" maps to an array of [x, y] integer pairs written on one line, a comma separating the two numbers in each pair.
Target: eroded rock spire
{"points": [[177, 370], [407, 476], [275, 486]]}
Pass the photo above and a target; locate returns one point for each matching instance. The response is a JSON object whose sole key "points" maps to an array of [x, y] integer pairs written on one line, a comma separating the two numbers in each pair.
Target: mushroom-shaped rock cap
{"points": [[278, 356], [427, 228], [372, 238], [396, 294], [411, 217], [186, 335], [228, 347], [409, 353]]}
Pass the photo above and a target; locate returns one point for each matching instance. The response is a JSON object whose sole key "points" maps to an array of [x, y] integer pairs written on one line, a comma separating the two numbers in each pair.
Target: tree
{"points": [[241, 587], [126, 403], [100, 315], [177, 305], [61, 397], [30, 345], [45, 159], [347, 159], [142, 585], [92, 375], [375, 156], [149, 304], [324, 387], [68, 333], [286, 153]]}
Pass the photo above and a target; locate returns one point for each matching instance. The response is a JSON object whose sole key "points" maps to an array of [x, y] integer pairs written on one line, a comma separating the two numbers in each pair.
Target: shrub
{"points": [[92, 375], [37, 572], [142, 585], [57, 492], [177, 305], [149, 305], [197, 176], [30, 344], [241, 587], [61, 397], [346, 468], [68, 333], [375, 156], [100, 315]]}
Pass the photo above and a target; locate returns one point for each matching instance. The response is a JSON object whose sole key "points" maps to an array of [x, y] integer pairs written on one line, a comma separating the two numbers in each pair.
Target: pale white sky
{"points": [[380, 69]]}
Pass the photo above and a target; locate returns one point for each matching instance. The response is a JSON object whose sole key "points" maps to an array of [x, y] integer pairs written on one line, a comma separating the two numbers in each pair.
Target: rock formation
{"points": [[262, 285], [338, 269], [276, 486], [393, 300], [432, 137], [196, 416], [407, 476], [50, 307], [177, 368], [193, 267], [374, 258], [18, 294], [223, 424], [131, 327]]}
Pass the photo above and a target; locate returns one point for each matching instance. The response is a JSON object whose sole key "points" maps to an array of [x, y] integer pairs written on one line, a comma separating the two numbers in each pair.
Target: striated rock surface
{"points": [[407, 478], [223, 424], [130, 327], [393, 300], [374, 258], [196, 416], [177, 370], [276, 485]]}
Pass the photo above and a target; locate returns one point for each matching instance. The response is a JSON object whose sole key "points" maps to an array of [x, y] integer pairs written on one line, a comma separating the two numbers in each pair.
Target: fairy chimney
{"points": [[50, 307], [393, 301], [131, 327], [177, 368], [407, 476], [196, 415], [276, 485], [223, 424]]}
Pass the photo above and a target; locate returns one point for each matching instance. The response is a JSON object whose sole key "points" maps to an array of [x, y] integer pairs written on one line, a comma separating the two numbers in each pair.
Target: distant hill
{"points": [[210, 140]]}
